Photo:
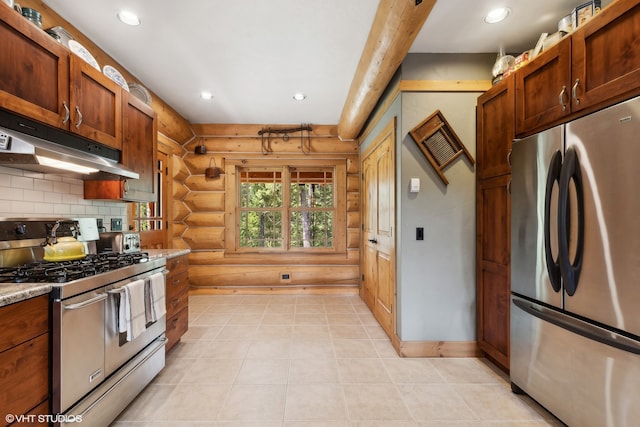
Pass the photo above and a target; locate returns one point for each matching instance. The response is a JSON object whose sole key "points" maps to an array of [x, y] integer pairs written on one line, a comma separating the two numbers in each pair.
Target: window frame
{"points": [[232, 204]]}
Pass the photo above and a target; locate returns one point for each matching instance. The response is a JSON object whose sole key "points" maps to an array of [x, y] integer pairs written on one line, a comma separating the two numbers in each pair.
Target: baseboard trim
{"points": [[275, 290], [436, 348]]}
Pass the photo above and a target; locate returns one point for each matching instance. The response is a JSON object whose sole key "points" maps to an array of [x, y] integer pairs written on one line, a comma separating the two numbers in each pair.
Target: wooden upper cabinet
{"points": [[139, 153], [96, 104], [495, 129], [543, 88], [596, 66], [34, 71], [139, 148], [606, 58]]}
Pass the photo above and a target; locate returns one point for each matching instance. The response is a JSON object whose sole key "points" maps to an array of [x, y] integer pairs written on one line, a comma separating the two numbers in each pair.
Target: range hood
{"points": [[29, 145]]}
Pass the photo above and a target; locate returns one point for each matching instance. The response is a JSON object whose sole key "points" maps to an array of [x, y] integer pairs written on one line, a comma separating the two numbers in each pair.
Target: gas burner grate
{"points": [[66, 271]]}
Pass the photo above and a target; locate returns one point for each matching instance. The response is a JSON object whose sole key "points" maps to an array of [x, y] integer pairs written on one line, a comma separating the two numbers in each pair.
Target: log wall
{"points": [[200, 214]]}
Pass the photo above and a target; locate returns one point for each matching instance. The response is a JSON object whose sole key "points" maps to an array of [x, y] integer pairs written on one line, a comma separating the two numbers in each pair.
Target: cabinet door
{"points": [[493, 264], [96, 104], [543, 89], [606, 58], [139, 148], [34, 71], [496, 129]]}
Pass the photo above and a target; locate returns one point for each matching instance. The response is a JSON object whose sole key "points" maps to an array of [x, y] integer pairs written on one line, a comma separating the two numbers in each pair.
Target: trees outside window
{"points": [[288, 208]]}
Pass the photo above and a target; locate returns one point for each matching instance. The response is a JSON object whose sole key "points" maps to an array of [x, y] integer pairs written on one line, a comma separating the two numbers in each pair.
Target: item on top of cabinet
{"points": [[60, 34], [32, 15], [552, 39], [566, 23], [8, 3], [115, 75], [83, 53], [140, 92], [584, 12], [502, 64]]}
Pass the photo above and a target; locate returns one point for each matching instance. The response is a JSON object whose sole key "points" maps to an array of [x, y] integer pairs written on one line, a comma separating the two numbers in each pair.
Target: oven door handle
{"points": [[86, 303]]}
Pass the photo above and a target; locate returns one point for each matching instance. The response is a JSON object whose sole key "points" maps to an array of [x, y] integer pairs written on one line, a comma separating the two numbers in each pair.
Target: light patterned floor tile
{"points": [[316, 361]]}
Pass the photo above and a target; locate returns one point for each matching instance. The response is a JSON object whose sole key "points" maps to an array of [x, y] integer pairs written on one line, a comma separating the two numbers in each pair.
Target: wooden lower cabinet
{"points": [[177, 299], [493, 264], [24, 359]]}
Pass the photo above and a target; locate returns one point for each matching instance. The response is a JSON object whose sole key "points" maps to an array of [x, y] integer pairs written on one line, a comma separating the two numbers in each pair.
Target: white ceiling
{"points": [[253, 56]]}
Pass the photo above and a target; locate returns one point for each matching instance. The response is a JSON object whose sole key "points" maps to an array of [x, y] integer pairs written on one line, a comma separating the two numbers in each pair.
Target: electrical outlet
{"points": [[5, 140], [116, 224]]}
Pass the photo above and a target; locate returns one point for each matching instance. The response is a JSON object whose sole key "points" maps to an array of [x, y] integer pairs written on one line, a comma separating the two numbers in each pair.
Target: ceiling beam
{"points": [[394, 28]]}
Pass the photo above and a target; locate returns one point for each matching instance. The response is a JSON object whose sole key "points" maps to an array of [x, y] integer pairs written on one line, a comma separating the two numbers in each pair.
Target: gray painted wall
{"points": [[436, 276]]}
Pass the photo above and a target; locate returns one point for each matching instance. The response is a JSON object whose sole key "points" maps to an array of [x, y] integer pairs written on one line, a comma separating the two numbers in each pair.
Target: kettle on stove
{"points": [[62, 248]]}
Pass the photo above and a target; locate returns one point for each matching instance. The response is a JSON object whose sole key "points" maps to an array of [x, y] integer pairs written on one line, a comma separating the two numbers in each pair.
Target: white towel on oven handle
{"points": [[155, 301], [131, 313]]}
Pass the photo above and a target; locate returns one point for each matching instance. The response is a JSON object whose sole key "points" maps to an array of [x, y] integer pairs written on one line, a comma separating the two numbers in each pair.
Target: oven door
{"points": [[117, 349], [80, 366]]}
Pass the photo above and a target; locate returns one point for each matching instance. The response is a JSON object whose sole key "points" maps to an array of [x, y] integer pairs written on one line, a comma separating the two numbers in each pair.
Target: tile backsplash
{"points": [[25, 194]]}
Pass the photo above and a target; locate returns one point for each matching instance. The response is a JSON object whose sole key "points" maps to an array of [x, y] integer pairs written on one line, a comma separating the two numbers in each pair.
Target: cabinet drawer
{"points": [[23, 320], [177, 284], [24, 376], [176, 303], [177, 325], [178, 264]]}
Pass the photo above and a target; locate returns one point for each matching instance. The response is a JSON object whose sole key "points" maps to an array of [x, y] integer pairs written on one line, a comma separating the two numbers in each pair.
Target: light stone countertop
{"points": [[15, 292]]}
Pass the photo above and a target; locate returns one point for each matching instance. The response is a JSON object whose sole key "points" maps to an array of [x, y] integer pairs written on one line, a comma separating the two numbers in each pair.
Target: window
{"points": [[288, 208], [149, 216]]}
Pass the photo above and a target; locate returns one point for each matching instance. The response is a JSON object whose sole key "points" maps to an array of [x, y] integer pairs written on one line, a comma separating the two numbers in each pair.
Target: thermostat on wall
{"points": [[415, 185]]}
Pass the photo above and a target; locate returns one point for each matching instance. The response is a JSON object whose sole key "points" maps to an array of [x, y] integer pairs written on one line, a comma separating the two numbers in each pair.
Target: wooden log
{"points": [[205, 201], [394, 28]]}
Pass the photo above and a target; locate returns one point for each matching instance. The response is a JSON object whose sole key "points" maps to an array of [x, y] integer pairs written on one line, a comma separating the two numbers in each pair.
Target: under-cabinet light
{"points": [[206, 95], [59, 164], [299, 96]]}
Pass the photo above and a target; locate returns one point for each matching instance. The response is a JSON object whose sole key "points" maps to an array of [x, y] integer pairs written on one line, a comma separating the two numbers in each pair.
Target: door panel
{"points": [[607, 149], [378, 204]]}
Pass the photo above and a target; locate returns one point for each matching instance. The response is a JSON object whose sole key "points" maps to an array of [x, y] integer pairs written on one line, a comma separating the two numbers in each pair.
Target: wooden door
{"points": [[543, 89], [494, 258], [96, 104], [34, 71], [379, 286], [495, 129], [605, 57], [139, 148]]}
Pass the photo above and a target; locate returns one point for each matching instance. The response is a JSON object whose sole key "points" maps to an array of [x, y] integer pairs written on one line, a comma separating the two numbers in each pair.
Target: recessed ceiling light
{"points": [[299, 96], [128, 17], [206, 95], [497, 15]]}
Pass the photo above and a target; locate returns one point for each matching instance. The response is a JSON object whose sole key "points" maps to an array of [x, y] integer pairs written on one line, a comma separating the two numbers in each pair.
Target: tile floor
{"points": [[315, 361]]}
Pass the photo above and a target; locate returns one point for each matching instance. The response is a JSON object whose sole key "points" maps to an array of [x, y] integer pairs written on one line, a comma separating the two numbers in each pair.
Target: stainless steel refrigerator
{"points": [[575, 268]]}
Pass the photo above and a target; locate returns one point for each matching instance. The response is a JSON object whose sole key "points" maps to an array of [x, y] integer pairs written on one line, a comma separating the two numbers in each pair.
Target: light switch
{"points": [[415, 185]]}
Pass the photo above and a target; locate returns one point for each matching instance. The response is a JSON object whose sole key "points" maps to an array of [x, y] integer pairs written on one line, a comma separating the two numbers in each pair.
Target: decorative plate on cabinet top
{"points": [[115, 75], [140, 92], [83, 53]]}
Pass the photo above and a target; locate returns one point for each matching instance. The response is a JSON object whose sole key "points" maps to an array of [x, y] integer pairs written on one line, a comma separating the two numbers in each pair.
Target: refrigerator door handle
{"points": [[579, 327], [553, 266], [570, 269]]}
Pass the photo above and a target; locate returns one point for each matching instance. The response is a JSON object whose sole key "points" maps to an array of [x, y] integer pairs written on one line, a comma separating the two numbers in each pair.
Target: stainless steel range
{"points": [[96, 368]]}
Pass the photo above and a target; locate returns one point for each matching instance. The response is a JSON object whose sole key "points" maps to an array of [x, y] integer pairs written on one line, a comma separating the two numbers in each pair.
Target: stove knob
{"points": [[21, 229]]}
